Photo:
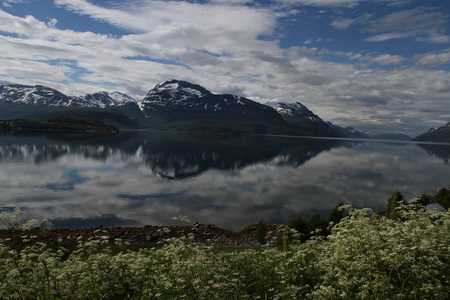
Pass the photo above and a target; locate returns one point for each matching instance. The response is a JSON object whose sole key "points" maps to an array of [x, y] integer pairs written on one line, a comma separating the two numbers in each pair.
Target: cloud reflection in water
{"points": [[140, 178]]}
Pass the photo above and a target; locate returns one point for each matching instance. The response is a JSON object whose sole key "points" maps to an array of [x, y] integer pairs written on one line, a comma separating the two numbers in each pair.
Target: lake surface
{"points": [[139, 178]]}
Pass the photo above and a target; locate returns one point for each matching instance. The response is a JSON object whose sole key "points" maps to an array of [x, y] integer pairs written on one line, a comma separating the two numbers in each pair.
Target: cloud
{"points": [[348, 3], [102, 56], [342, 3], [230, 1], [408, 20], [379, 59], [344, 24], [217, 28], [7, 3], [387, 59], [420, 24], [388, 36], [440, 58]]}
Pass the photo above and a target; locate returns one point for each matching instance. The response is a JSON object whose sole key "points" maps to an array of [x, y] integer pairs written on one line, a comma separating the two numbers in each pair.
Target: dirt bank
{"points": [[139, 236]]}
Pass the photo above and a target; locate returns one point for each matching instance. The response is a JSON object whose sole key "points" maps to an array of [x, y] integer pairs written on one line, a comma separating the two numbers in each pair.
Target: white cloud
{"points": [[418, 23], [345, 23], [408, 20], [441, 58], [230, 1], [7, 3], [387, 59], [379, 59], [342, 3], [388, 36], [342, 23], [349, 3], [217, 28]]}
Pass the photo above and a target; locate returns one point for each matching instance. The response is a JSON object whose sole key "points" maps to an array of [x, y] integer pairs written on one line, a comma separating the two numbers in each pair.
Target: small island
{"points": [[70, 126]]}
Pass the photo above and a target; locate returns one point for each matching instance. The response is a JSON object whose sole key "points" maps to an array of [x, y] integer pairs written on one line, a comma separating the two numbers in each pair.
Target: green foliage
{"points": [[261, 232], [364, 257], [336, 214], [317, 225], [69, 124], [299, 225], [443, 198], [393, 203]]}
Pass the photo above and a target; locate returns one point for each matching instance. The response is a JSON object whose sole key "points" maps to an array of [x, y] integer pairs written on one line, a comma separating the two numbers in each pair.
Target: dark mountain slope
{"points": [[437, 135], [300, 116], [176, 100]]}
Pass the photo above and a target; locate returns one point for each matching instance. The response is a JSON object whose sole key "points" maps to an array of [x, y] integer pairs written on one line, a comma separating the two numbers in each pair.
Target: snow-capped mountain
{"points": [[185, 100], [439, 135], [105, 99], [41, 95], [299, 115], [174, 92], [173, 104], [182, 95], [37, 95], [294, 109]]}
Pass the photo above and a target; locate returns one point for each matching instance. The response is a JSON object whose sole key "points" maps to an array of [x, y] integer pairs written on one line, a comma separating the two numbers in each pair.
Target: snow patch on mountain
{"points": [[105, 99], [174, 92], [294, 109], [37, 95], [41, 95]]}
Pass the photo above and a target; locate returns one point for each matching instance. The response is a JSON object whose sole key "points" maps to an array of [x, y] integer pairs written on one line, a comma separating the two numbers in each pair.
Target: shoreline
{"points": [[146, 236]]}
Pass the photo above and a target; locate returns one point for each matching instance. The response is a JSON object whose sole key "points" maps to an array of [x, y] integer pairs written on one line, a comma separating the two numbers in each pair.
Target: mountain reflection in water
{"points": [[138, 178]]}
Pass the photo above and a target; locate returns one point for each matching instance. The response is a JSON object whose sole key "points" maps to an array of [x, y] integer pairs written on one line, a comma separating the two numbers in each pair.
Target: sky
{"points": [[377, 65]]}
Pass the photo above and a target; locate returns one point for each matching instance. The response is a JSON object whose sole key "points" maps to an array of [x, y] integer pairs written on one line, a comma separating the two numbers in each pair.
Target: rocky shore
{"points": [[137, 236]]}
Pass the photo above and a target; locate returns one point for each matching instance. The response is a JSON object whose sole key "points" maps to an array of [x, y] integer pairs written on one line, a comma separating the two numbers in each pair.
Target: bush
{"points": [[364, 257], [393, 203]]}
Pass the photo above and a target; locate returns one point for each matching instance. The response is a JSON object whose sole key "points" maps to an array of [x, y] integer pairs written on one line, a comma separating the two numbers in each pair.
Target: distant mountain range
{"points": [[41, 95], [174, 105]]}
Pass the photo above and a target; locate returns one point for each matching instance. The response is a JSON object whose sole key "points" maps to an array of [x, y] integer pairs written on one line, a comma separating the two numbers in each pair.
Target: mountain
{"points": [[349, 132], [176, 100], [175, 94], [40, 102], [173, 105], [299, 115], [180, 104], [36, 95], [105, 99], [42, 95], [437, 135]]}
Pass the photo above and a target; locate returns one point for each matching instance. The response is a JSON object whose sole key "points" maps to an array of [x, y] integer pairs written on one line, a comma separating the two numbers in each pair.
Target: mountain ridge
{"points": [[172, 104], [42, 95], [437, 134], [298, 114]]}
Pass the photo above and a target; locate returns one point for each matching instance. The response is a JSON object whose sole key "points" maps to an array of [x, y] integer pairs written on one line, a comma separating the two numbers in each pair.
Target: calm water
{"points": [[139, 178]]}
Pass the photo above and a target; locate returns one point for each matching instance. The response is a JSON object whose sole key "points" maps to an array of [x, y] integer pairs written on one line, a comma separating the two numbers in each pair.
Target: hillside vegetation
{"points": [[54, 126]]}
